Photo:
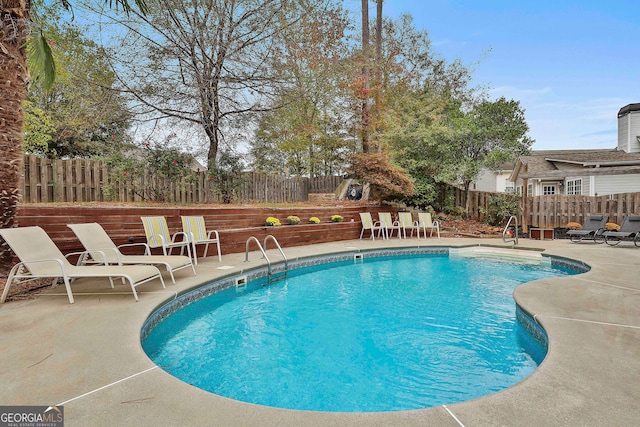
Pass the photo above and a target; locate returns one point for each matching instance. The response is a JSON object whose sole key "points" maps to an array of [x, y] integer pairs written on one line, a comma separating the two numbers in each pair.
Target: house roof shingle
{"points": [[561, 163]]}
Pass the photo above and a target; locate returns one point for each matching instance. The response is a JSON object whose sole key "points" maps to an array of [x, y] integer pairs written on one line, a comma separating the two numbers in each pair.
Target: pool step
{"points": [[276, 277]]}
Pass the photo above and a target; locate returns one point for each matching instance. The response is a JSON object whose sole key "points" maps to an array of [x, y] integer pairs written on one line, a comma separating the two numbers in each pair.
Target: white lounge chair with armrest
{"points": [[424, 219], [101, 248], [40, 258], [369, 224], [407, 223], [158, 235], [196, 231], [389, 224]]}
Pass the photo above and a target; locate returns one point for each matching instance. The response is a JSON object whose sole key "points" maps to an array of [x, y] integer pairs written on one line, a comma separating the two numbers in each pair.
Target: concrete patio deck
{"points": [[88, 357]]}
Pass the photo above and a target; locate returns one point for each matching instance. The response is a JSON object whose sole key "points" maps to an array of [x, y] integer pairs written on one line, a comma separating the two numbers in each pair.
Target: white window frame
{"points": [[574, 186], [549, 189]]}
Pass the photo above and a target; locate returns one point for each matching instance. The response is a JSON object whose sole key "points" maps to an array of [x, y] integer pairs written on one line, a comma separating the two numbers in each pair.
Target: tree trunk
{"points": [[212, 134], [365, 76], [14, 78], [377, 98]]}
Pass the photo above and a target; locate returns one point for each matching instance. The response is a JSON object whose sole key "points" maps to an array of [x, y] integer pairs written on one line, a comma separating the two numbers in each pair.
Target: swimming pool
{"points": [[377, 334]]}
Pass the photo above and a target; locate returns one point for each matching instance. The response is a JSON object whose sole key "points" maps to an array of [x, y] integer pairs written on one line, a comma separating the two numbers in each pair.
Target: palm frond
{"points": [[40, 60], [126, 5]]}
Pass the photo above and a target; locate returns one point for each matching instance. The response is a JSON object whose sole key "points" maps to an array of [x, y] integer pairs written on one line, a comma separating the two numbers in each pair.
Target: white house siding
{"points": [[615, 184], [489, 180], [503, 183], [486, 181], [586, 184], [628, 132]]}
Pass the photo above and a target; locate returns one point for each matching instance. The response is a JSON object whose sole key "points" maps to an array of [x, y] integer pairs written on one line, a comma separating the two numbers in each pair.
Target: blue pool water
{"points": [[383, 334]]}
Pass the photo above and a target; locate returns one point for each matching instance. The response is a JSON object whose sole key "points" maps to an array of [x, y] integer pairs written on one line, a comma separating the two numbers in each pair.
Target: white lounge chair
{"points": [[41, 258], [196, 231], [158, 235], [407, 223], [369, 224], [389, 224], [424, 219], [101, 248]]}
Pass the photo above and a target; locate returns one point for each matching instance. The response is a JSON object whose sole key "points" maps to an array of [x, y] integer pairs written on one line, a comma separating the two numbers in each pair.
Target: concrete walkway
{"points": [[87, 356]]}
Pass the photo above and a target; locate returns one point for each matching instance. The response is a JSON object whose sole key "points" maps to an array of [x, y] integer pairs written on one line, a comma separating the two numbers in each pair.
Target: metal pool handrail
{"points": [[506, 227], [264, 254], [270, 237]]}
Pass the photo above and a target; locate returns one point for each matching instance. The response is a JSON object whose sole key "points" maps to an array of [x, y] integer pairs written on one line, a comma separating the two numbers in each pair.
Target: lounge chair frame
{"points": [[629, 229], [592, 229], [41, 258], [101, 249]]}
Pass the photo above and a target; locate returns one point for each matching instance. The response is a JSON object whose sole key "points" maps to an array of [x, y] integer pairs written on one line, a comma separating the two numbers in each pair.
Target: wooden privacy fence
{"points": [[554, 211], [449, 195], [558, 210], [261, 187], [88, 180]]}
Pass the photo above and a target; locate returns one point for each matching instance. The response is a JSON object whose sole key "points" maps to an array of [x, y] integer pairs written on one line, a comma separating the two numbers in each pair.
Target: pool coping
{"points": [[88, 356]]}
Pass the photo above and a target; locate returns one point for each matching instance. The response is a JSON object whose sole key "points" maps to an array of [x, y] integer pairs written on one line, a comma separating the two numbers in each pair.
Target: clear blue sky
{"points": [[571, 64]]}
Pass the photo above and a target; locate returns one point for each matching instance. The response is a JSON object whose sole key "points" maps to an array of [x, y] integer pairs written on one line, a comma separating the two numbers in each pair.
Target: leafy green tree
{"points": [[490, 134], [39, 129], [406, 65], [85, 110], [415, 131], [304, 132], [300, 139], [500, 208], [436, 137]]}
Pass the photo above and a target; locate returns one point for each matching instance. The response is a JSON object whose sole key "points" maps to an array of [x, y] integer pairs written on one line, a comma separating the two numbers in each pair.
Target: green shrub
{"points": [[314, 220], [424, 193], [226, 176], [500, 208], [293, 220]]}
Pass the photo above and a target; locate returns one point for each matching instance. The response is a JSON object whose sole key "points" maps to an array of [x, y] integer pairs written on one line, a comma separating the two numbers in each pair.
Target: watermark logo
{"points": [[31, 416]]}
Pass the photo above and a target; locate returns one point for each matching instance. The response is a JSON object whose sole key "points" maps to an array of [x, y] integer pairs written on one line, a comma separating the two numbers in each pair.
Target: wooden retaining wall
{"points": [[235, 224]]}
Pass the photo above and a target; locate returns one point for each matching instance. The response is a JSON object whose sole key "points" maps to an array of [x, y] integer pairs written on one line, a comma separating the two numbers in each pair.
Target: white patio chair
{"points": [[369, 224], [389, 224], [158, 236], [407, 223], [196, 231], [424, 219]]}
